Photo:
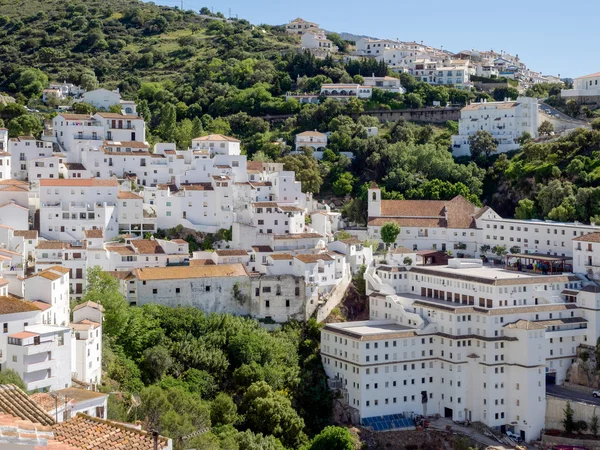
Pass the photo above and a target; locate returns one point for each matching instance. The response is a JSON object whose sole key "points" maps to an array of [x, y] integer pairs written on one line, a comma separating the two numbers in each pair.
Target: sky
{"points": [[551, 36]]}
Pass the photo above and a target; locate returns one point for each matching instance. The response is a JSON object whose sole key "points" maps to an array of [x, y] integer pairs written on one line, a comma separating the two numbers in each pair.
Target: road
{"points": [[571, 394]]}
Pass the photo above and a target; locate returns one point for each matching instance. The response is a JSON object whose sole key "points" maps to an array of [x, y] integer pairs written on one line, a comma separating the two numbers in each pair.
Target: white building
{"points": [[375, 47], [71, 256], [87, 333], [466, 341], [345, 92], [317, 141], [586, 89], [586, 255], [386, 83], [68, 207], [49, 290], [505, 121], [426, 224], [104, 99], [299, 26], [315, 39]]}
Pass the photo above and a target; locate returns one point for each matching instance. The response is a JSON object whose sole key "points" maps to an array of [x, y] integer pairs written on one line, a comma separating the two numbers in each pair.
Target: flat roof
{"points": [[491, 275], [371, 329]]}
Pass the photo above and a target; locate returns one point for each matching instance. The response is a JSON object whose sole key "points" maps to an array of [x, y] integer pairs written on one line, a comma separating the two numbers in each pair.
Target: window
{"points": [[207, 289], [155, 291], [177, 290]]}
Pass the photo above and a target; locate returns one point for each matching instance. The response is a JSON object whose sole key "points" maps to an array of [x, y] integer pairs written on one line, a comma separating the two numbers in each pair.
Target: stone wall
{"points": [[582, 372], [559, 440], [430, 115], [555, 414], [334, 297]]}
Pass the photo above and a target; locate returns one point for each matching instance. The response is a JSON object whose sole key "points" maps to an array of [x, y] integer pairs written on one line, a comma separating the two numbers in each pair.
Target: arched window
{"points": [[374, 196]]}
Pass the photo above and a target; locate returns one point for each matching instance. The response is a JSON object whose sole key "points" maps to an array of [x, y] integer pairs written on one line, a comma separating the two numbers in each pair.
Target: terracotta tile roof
{"points": [[147, 246], [44, 400], [261, 183], [127, 144], [98, 434], [79, 395], [121, 274], [74, 166], [179, 241], [83, 325], [286, 208], [12, 305], [89, 304], [215, 137], [170, 152], [489, 105], [262, 249], [109, 115], [27, 234], [185, 272], [42, 305], [201, 262], [23, 335], [281, 256], [94, 234], [402, 250], [455, 213], [83, 182], [125, 195], [15, 402], [51, 245], [255, 166], [264, 205], [196, 187], [316, 133], [231, 252], [121, 249], [13, 182], [590, 237], [309, 259], [75, 116]]}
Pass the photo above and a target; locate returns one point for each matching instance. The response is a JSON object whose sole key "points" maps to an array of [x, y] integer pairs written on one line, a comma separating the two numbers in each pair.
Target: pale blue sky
{"points": [[551, 36]]}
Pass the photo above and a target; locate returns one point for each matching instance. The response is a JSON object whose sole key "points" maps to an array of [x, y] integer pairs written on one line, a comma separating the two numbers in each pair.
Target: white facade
{"points": [[386, 83], [586, 255], [474, 341], [313, 139], [315, 39], [586, 86], [68, 207], [51, 288], [505, 121], [345, 92], [69, 255], [299, 26]]}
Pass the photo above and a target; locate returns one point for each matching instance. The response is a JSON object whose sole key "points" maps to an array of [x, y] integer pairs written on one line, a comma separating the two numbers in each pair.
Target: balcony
{"points": [[87, 137]]}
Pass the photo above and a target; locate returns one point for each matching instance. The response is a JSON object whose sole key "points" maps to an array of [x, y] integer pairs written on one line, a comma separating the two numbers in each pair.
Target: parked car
{"points": [[596, 394], [513, 436]]}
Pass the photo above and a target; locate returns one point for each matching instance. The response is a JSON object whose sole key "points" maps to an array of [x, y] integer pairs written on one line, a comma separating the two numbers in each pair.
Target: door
{"points": [[133, 136], [62, 229], [448, 413]]}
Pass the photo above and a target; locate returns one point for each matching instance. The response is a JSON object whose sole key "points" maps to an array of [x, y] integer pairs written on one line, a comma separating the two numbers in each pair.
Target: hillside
{"points": [[195, 74]]}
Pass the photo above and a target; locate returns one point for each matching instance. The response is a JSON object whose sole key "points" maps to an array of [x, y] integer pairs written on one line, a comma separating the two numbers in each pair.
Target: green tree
{"points": [[31, 82], [389, 232], [223, 410], [168, 121], [332, 438], [525, 138], [499, 250], [526, 210], [568, 421], [83, 108], [247, 440], [596, 124], [343, 185], [307, 171], [156, 362], [103, 288], [271, 413], [197, 127], [9, 376], [413, 100], [26, 125], [546, 128], [482, 144], [184, 134]]}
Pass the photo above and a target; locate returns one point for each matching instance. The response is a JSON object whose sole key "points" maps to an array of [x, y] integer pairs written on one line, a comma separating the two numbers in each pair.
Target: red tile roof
{"points": [[12, 305], [92, 433], [216, 137], [83, 182], [590, 237]]}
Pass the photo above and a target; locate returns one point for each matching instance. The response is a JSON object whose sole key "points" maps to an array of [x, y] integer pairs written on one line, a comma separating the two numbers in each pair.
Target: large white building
{"points": [[586, 89], [506, 121], [299, 26], [466, 341], [315, 39], [69, 207]]}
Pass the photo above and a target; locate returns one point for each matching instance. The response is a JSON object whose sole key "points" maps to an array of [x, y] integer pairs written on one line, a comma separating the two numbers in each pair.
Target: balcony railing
{"points": [[88, 137]]}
